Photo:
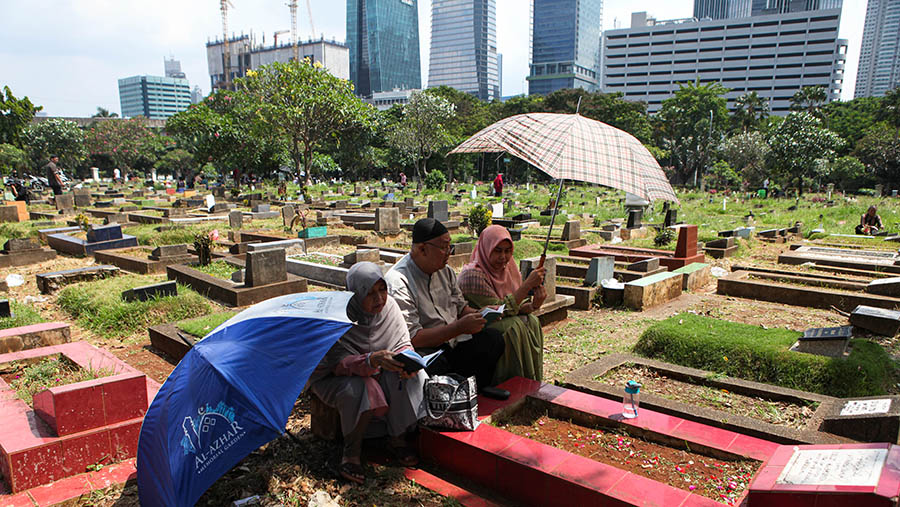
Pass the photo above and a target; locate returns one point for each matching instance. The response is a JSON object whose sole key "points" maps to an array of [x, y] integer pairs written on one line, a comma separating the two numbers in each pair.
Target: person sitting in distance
{"points": [[870, 222]]}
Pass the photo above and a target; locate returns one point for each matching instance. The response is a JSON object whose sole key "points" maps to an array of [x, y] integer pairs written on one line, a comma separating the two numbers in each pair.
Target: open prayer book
{"points": [[413, 362], [492, 314]]}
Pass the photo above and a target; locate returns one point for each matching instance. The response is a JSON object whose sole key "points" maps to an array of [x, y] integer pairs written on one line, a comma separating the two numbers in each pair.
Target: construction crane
{"points": [[292, 4], [226, 54], [279, 32]]}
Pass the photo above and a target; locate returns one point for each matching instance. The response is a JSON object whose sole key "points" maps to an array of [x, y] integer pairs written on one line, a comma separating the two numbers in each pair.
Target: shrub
{"points": [[762, 355], [663, 237], [435, 181], [479, 218]]}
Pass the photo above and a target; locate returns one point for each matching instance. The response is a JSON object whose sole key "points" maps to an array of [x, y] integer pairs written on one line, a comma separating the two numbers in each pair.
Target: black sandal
{"points": [[405, 456], [352, 472]]}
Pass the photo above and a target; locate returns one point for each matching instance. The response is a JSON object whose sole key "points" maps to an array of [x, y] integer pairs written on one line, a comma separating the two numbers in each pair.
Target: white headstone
{"points": [[860, 407], [95, 173], [834, 467], [474, 194], [153, 174], [210, 202], [497, 210]]}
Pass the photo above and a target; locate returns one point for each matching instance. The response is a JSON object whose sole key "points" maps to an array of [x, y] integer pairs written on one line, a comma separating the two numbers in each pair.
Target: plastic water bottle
{"points": [[631, 400]]}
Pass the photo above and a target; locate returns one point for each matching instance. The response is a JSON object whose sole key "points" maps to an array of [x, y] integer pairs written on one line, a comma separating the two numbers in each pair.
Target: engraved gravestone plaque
{"points": [[866, 407], [834, 467]]}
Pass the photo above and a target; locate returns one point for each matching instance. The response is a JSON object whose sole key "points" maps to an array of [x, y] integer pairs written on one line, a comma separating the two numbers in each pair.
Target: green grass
{"points": [[201, 326], [528, 248], [98, 306], [50, 372], [22, 315], [18, 230], [147, 234], [218, 269], [462, 238], [762, 355]]}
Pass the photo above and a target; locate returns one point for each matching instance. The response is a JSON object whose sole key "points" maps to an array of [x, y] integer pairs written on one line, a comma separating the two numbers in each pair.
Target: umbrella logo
{"points": [[212, 433]]}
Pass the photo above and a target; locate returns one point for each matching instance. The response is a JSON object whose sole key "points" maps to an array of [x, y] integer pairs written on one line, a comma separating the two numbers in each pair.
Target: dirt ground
{"points": [[289, 470]]}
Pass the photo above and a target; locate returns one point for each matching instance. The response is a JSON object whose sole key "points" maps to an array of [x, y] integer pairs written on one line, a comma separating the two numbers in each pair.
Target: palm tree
{"points": [[750, 109], [102, 112], [810, 98]]}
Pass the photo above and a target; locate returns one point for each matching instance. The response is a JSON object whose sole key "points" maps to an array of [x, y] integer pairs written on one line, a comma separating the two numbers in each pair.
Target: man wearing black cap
{"points": [[436, 313], [52, 174]]}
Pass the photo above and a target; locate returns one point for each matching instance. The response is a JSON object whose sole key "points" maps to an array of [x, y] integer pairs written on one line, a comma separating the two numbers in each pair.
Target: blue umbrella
{"points": [[233, 392]]}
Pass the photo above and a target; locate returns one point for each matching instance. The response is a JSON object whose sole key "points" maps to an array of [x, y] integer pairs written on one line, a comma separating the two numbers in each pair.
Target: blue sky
{"points": [[68, 55]]}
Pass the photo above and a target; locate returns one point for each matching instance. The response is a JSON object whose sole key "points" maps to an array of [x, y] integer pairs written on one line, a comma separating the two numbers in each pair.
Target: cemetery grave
{"points": [[145, 259], [176, 338]]}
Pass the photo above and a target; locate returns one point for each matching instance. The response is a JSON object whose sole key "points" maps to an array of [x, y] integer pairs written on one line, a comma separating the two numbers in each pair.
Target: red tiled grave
{"points": [[531, 473], [99, 420]]}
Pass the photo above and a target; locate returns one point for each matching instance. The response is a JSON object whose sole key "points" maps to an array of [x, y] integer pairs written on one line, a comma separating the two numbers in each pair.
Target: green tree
{"points": [[15, 115], [749, 111], [849, 174], [102, 112], [852, 119], [12, 159], [747, 153], [55, 136], [723, 176], [800, 145], [421, 133], [691, 125], [879, 150], [809, 99], [217, 131], [609, 108], [176, 161], [124, 142], [304, 104]]}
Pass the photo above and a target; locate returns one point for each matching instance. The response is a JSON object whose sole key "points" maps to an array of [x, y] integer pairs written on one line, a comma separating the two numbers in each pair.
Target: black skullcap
{"points": [[427, 229]]}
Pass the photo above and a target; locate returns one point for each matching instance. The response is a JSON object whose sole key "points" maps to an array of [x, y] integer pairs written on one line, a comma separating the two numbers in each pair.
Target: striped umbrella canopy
{"points": [[572, 147]]}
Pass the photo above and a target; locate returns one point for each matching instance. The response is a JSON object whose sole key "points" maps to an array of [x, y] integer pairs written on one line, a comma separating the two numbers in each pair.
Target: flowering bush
{"points": [[203, 244]]}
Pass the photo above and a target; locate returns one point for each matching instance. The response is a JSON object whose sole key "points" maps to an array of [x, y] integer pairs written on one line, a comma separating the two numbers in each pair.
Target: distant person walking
{"points": [[116, 174], [51, 172], [402, 179], [498, 185]]}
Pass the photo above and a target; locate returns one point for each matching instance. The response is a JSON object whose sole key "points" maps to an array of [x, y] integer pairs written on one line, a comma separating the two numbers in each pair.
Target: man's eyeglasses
{"points": [[443, 249]]}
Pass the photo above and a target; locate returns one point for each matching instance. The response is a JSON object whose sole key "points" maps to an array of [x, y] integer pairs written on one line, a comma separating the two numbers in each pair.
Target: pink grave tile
{"points": [[119, 473], [123, 439], [523, 483], [61, 491], [786, 500], [889, 485], [752, 447], [637, 490], [71, 408], [475, 463], [704, 434], [35, 466], [589, 473], [19, 500], [125, 398], [80, 451], [534, 454], [447, 489]]}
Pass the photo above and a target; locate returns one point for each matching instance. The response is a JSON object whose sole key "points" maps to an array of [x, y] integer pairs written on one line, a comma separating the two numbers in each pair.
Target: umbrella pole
{"points": [[552, 220]]}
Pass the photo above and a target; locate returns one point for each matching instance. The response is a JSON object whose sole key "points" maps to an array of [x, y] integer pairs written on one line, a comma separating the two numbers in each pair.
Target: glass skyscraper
{"points": [[879, 57], [383, 36], [464, 47], [565, 45], [153, 97], [732, 9]]}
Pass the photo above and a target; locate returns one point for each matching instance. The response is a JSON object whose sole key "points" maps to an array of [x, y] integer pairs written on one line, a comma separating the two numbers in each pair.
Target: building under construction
{"points": [[248, 54]]}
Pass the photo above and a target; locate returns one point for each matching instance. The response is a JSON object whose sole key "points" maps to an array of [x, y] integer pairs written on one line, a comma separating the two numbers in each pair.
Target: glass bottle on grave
{"points": [[631, 400]]}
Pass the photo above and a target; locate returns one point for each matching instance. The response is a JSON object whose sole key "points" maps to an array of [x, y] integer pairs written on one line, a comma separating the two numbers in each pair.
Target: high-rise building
{"points": [[879, 56], [722, 9], [247, 54], [565, 45], [196, 95], [154, 97], [773, 55], [464, 47], [732, 9], [173, 68], [383, 37]]}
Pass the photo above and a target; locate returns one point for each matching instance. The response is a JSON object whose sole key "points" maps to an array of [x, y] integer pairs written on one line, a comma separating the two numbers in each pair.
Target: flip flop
{"points": [[405, 456], [352, 472]]}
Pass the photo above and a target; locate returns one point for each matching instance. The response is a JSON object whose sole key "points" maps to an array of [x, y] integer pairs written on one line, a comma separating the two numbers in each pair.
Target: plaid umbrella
{"points": [[572, 147]]}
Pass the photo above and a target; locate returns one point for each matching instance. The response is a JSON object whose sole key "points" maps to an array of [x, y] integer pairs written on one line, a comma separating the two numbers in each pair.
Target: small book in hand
{"points": [[413, 362], [492, 314]]}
